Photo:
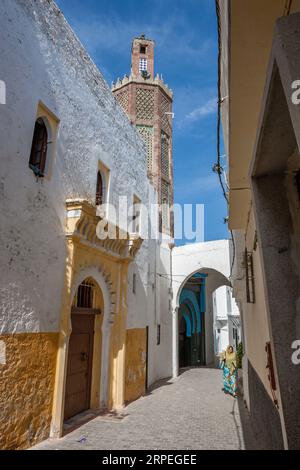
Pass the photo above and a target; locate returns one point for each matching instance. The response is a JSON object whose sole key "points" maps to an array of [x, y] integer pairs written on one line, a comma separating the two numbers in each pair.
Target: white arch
{"points": [[210, 257], [220, 280]]}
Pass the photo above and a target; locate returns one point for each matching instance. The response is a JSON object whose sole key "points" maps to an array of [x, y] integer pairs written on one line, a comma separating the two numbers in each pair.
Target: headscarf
{"points": [[230, 359]]}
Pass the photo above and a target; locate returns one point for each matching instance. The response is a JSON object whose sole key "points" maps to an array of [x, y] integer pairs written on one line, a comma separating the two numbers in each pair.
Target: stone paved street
{"points": [[190, 412]]}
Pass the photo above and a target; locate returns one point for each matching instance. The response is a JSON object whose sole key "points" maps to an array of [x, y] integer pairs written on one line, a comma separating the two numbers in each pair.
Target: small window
{"points": [[38, 154], [158, 335], [143, 65], [99, 189], [85, 295], [134, 283], [142, 49]]}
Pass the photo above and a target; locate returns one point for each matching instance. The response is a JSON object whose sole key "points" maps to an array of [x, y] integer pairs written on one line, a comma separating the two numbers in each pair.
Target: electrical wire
{"points": [[218, 167], [169, 277]]}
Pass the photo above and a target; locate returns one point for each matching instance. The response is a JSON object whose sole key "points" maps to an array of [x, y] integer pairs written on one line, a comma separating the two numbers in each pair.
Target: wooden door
{"points": [[79, 369]]}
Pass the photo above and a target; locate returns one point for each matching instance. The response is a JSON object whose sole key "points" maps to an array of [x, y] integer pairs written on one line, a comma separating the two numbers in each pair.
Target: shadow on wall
{"points": [[252, 441], [262, 424]]}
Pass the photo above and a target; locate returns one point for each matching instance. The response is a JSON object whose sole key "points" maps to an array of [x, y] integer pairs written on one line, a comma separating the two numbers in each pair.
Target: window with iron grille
{"points": [[38, 154], [250, 287], [99, 189], [85, 294], [143, 65]]}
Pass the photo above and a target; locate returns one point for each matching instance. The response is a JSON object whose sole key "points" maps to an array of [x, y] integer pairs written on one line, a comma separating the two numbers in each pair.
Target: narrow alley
{"points": [[150, 227], [190, 412]]}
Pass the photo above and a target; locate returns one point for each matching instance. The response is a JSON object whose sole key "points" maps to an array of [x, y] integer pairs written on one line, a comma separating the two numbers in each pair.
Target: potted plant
{"points": [[239, 357]]}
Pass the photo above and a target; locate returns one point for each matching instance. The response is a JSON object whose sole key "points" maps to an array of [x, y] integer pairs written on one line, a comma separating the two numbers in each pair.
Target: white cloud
{"points": [[207, 108]]}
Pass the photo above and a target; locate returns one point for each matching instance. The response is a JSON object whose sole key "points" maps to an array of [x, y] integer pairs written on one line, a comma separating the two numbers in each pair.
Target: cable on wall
{"points": [[217, 168]]}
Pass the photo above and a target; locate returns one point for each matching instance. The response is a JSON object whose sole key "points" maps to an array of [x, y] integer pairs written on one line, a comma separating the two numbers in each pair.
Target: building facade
{"points": [[81, 305], [259, 66]]}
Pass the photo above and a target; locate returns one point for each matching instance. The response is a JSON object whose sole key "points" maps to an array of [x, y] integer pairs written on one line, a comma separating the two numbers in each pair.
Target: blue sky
{"points": [[186, 56]]}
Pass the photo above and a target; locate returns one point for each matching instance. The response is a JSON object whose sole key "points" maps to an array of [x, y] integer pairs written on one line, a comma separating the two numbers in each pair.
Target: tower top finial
{"points": [[142, 37]]}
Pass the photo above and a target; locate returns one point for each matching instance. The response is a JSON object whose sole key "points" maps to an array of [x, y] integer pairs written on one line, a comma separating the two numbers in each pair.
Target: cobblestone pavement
{"points": [[190, 412]]}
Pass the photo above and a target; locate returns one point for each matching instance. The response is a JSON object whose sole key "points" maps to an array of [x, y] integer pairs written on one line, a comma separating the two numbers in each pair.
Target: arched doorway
{"points": [[84, 348], [195, 318], [191, 322]]}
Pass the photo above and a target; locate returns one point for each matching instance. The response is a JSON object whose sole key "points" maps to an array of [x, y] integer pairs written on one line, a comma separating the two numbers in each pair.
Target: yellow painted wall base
{"points": [[26, 388], [135, 364]]}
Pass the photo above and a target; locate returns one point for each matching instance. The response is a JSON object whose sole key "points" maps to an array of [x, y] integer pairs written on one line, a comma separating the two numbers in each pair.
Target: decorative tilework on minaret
{"points": [[147, 101]]}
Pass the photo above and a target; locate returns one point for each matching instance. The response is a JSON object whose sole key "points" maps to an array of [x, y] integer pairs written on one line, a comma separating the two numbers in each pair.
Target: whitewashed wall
{"points": [[42, 60], [224, 309]]}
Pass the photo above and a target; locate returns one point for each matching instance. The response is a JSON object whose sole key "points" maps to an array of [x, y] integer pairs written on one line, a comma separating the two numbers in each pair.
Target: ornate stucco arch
{"points": [[103, 279], [103, 282], [105, 261]]}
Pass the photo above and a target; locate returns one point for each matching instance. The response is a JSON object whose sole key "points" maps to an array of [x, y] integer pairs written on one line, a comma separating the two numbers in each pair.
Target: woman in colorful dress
{"points": [[228, 364]]}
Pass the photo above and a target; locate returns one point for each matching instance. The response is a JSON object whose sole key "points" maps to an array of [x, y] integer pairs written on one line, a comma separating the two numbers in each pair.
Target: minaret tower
{"points": [[148, 103]]}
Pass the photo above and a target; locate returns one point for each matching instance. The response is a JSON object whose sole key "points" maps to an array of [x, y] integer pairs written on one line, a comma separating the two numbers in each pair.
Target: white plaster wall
{"points": [[41, 59], [225, 308], [222, 338], [164, 351], [235, 309], [151, 304], [220, 315], [220, 304]]}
